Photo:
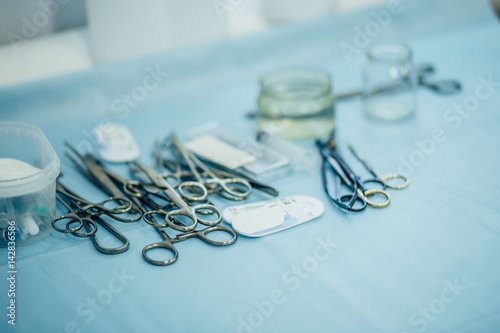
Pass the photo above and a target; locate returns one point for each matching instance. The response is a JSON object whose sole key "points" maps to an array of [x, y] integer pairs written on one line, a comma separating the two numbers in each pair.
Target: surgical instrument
{"points": [[422, 72], [189, 190], [348, 177], [95, 174], [168, 242], [140, 200], [402, 181], [183, 209], [88, 216], [223, 172], [229, 188]]}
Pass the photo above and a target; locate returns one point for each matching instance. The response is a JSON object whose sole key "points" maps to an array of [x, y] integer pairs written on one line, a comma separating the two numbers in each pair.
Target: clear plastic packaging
{"points": [[269, 164], [28, 171]]}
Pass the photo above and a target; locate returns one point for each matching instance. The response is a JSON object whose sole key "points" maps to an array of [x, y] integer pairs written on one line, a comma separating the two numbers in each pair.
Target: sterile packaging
{"points": [[265, 164], [28, 171]]}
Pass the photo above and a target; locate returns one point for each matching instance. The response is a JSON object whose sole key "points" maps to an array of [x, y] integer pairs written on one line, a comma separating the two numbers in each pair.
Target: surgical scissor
{"points": [[88, 215], [225, 173], [394, 181], [190, 190], [94, 172], [135, 189], [176, 172], [442, 86], [140, 199], [230, 188], [183, 209], [73, 216], [331, 159], [168, 242], [423, 72], [140, 196]]}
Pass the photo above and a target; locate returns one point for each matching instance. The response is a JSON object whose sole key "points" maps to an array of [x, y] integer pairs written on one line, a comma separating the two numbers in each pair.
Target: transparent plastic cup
{"points": [[28, 171]]}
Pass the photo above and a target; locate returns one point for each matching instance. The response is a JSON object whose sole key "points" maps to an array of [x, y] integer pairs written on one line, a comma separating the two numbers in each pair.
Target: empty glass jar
{"points": [[389, 82]]}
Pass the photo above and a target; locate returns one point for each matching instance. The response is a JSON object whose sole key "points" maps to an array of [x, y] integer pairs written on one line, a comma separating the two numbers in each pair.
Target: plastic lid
{"points": [[33, 182]]}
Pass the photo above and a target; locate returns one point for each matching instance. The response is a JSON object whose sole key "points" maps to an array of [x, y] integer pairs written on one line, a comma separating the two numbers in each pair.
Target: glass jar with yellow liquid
{"points": [[296, 104]]}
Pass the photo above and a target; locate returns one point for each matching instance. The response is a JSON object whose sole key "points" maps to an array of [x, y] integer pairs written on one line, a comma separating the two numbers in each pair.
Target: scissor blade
{"points": [[362, 160], [338, 169], [158, 181]]}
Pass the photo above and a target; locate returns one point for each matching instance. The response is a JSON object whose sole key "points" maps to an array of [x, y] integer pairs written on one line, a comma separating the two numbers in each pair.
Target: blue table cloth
{"points": [[427, 263]]}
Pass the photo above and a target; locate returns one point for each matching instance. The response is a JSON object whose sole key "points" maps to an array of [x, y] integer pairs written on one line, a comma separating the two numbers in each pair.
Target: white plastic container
{"points": [[28, 171]]}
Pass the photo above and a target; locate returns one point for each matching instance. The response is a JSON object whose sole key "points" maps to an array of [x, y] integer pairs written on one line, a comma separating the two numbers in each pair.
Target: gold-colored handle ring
{"points": [[396, 187], [375, 204]]}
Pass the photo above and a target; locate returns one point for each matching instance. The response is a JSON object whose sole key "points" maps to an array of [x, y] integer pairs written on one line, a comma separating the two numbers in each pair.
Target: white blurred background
{"points": [[40, 38]]}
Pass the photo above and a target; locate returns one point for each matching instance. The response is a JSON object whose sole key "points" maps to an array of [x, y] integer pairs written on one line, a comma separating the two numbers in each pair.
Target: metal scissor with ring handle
{"points": [[120, 205], [331, 159], [87, 215], [94, 172], [183, 209], [234, 188], [168, 242], [71, 218], [190, 190], [441, 86], [140, 200], [393, 181], [226, 173], [422, 72], [174, 177]]}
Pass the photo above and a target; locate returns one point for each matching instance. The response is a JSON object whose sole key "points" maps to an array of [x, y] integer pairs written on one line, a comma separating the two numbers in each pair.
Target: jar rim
{"points": [[390, 53], [296, 84]]}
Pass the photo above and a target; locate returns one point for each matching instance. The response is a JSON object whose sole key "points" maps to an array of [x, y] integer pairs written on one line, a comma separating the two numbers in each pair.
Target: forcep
{"points": [[87, 215], [168, 242], [176, 172], [442, 87], [351, 200], [131, 188], [96, 175], [140, 199], [378, 178], [213, 182], [182, 207], [225, 173], [187, 189], [359, 193]]}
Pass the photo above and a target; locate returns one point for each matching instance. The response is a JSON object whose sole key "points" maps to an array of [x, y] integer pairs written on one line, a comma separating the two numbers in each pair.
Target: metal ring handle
{"points": [[169, 218], [206, 239], [73, 218], [152, 221], [344, 202], [382, 184], [162, 245], [89, 225], [371, 192], [185, 186], [207, 207], [134, 211], [225, 184], [396, 176], [131, 188], [124, 205]]}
